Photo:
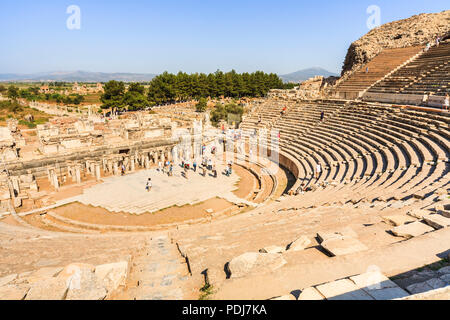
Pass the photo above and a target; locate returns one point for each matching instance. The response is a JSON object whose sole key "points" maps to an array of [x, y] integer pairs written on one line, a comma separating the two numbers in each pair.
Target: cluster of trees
{"points": [[10, 106], [33, 94], [223, 111], [171, 88], [115, 96]]}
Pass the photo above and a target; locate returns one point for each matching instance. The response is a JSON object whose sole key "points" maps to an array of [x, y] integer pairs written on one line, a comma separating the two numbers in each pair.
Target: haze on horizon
{"points": [[157, 36]]}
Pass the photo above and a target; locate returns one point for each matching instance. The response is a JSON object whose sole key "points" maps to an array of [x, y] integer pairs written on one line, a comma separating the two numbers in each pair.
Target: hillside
{"points": [[80, 76], [306, 74], [417, 30]]}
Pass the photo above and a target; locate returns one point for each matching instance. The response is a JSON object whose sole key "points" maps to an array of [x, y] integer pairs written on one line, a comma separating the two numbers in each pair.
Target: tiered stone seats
{"points": [[268, 112], [428, 73], [379, 67], [367, 151]]}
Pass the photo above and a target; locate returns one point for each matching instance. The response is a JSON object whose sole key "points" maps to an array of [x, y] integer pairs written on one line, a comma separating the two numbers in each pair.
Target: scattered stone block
{"points": [[347, 232], [86, 287], [344, 289], [398, 220], [252, 262], [43, 274], [82, 283], [436, 283], [13, 292], [411, 230], [300, 244], [378, 286], [419, 213], [7, 279], [209, 210], [419, 288], [310, 294], [445, 278], [444, 270], [113, 275], [272, 249], [342, 246], [48, 289], [437, 221]]}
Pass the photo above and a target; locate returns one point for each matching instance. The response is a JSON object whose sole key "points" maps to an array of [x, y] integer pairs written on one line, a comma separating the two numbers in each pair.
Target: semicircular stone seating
{"points": [[368, 151]]}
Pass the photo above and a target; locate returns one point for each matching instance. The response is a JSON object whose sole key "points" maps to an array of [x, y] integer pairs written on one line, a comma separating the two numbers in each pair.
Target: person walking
{"points": [[446, 102], [425, 99], [148, 186], [194, 166], [322, 115], [318, 170]]}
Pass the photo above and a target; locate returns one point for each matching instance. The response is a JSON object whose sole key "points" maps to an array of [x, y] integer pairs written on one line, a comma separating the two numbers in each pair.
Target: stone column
{"points": [[110, 166], [97, 172], [115, 168], [78, 174], [93, 168], [55, 181], [15, 183], [132, 164], [147, 163]]}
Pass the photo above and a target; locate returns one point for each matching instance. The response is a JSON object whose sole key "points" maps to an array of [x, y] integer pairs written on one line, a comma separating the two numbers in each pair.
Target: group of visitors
{"points": [[426, 97], [229, 169], [166, 167]]}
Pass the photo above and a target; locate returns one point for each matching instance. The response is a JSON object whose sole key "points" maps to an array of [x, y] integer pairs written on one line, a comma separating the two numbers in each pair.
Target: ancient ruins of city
{"points": [[332, 189]]}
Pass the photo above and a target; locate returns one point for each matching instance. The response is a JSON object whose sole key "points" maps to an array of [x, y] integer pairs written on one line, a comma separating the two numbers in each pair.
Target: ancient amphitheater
{"points": [[372, 224]]}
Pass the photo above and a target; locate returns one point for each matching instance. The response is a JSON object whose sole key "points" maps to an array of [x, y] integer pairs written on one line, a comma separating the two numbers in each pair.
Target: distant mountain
{"points": [[80, 76], [305, 74]]}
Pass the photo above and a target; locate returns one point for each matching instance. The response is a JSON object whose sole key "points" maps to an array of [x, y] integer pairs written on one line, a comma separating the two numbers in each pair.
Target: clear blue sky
{"points": [[194, 36]]}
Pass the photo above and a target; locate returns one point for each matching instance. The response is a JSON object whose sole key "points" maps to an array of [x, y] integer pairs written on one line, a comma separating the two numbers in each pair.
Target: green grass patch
{"points": [[206, 292]]}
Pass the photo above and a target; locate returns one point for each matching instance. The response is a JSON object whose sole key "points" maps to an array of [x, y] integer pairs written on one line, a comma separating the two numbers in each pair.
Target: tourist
{"points": [[214, 170], [259, 119], [194, 166], [425, 99], [446, 102], [148, 187], [302, 189], [160, 166], [170, 170], [204, 171], [438, 40], [367, 69], [209, 164], [122, 170], [322, 115], [427, 47], [318, 170]]}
